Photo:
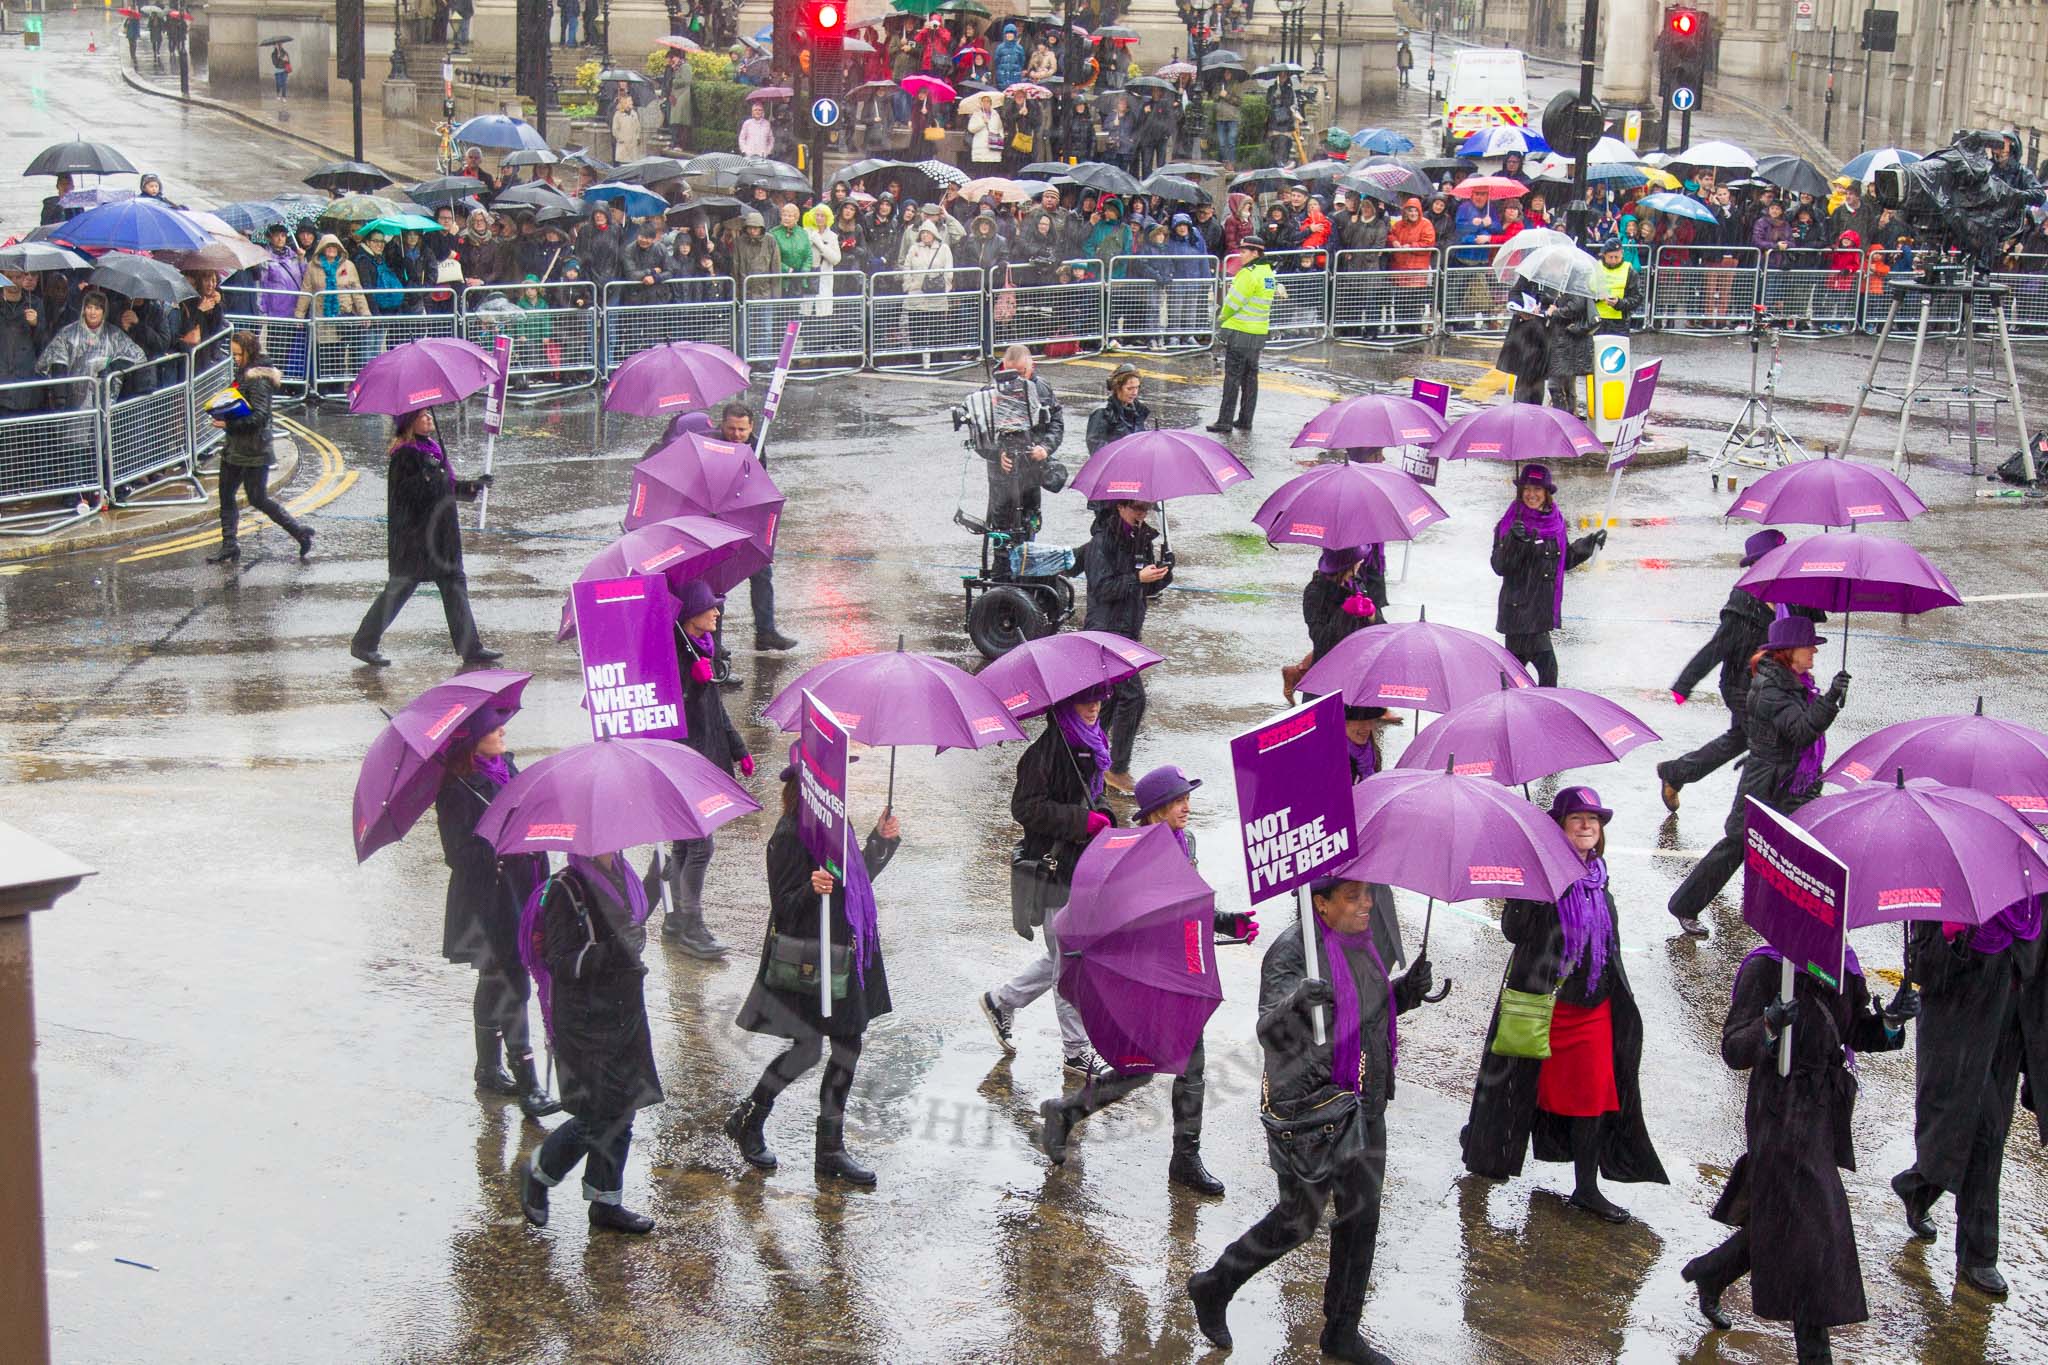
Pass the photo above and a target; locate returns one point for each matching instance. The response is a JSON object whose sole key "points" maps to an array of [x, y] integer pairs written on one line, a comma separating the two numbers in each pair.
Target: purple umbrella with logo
{"points": [[613, 794], [1921, 850], [1998, 757], [1827, 492], [402, 771], [1414, 666], [1137, 954], [1372, 419], [1515, 735], [1347, 504], [701, 476], [1152, 466], [676, 377], [1521, 432], [421, 374], [679, 549], [1850, 573], [1038, 674]]}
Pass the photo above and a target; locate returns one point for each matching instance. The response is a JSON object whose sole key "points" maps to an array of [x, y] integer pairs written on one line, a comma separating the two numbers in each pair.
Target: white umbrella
{"points": [[1612, 149], [1565, 269], [1725, 156], [1508, 257]]}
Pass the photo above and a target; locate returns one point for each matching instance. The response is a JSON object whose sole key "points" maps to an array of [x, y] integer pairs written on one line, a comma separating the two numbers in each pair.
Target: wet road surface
{"points": [[255, 1065]]}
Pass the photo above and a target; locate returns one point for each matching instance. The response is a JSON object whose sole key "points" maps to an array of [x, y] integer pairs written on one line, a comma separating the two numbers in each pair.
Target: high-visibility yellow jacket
{"points": [[1248, 304]]}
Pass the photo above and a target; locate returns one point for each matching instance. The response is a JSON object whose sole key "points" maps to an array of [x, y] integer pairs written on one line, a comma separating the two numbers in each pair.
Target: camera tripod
{"points": [[1927, 291], [1758, 440]]}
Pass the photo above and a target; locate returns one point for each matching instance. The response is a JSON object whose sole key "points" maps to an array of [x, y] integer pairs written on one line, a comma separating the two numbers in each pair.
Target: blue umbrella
{"points": [[250, 216], [1502, 140], [638, 202], [1864, 166], [1679, 206], [136, 225], [1381, 141], [498, 130], [1616, 175]]}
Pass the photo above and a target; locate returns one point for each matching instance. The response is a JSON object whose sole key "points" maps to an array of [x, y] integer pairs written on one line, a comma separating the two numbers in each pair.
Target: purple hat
{"points": [[1162, 785], [1792, 632], [1759, 545], [483, 721], [697, 597], [1536, 476], [1578, 801], [1339, 558], [789, 768]]}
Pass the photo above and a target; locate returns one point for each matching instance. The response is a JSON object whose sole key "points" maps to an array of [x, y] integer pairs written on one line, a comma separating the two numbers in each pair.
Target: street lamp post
{"points": [[1322, 27], [399, 71], [1581, 205]]}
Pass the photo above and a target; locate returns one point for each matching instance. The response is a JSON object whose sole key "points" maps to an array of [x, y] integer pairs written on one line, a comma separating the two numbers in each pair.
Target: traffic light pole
{"points": [[1580, 208]]}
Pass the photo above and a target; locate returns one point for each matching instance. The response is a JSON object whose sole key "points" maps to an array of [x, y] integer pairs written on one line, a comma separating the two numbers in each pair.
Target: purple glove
{"points": [[1097, 822], [1358, 604], [747, 764], [700, 671]]}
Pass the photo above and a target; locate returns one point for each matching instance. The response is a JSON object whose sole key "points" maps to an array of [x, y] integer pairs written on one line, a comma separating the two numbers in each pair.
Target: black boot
{"points": [[1813, 1345], [1186, 1168], [1057, 1124], [1709, 1301], [832, 1161], [228, 553], [745, 1125], [619, 1218], [1343, 1341], [533, 1196], [303, 535], [491, 1077], [1918, 1199], [693, 936], [1212, 1302], [534, 1100]]}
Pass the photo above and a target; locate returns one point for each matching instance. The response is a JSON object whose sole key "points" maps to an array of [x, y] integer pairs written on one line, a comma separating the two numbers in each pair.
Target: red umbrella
{"points": [[1499, 186], [929, 85]]}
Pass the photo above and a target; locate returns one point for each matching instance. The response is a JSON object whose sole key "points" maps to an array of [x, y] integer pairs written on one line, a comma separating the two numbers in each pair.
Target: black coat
{"points": [[1786, 1189], [1296, 1066], [1322, 609], [424, 536], [1781, 722], [1744, 622], [1970, 1003], [711, 729], [1504, 1114], [1569, 332], [600, 1038], [1116, 599], [248, 438], [1528, 566], [486, 893], [1051, 799], [1113, 421], [1525, 351], [20, 344], [793, 911]]}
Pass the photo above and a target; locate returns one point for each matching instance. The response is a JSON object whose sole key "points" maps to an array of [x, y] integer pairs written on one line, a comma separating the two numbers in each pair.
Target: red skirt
{"points": [[1577, 1079]]}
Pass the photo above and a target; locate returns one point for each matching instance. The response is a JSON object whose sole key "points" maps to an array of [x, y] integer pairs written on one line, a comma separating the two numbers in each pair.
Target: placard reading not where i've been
{"points": [[625, 631]]}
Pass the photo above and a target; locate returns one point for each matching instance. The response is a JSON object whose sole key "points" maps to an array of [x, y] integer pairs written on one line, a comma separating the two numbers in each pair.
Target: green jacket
{"points": [[1248, 304]]}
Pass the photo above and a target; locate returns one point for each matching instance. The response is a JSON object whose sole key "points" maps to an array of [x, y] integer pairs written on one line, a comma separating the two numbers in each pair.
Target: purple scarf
{"points": [[2021, 922], [1180, 836], [705, 644], [1807, 772], [1080, 735], [497, 769], [428, 445], [1365, 757], [1345, 1045], [635, 893], [1549, 524], [1582, 914], [860, 914]]}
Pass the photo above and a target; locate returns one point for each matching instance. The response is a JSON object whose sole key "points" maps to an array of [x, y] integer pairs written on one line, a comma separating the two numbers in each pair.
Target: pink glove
{"points": [[1358, 604], [747, 764], [1678, 699], [1097, 822], [1250, 925], [700, 671]]}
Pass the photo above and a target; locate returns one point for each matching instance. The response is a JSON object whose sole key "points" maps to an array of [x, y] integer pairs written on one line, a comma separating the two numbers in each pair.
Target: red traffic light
{"points": [[828, 17], [1684, 22]]}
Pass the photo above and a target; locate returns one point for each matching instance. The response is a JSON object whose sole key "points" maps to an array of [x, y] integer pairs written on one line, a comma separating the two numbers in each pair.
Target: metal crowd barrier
{"points": [[286, 338], [343, 345], [1303, 316], [1831, 299], [554, 330], [149, 432], [2028, 281], [1162, 304], [46, 454], [833, 338], [1058, 321], [1473, 301], [701, 310], [927, 321], [1703, 289], [1373, 304], [207, 381]]}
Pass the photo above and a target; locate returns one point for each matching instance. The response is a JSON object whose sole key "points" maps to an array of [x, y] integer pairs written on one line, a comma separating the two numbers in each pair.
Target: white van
{"points": [[1487, 87]]}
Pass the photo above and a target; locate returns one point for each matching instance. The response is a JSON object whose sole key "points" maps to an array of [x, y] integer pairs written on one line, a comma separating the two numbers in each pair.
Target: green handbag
{"points": [[1524, 1029], [793, 966]]}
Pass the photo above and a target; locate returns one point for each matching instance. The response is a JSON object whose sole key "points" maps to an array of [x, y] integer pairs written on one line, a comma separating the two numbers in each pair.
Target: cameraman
{"points": [[1124, 575], [2007, 166], [1018, 424]]}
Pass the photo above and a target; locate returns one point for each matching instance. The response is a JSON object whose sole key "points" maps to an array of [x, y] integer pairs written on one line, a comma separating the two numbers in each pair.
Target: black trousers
{"points": [[398, 590], [1014, 500], [1717, 1269], [1721, 749], [253, 479], [1120, 717], [1535, 651], [600, 1143], [1240, 376], [761, 597], [1977, 1200], [499, 1005], [1722, 861], [801, 1056], [1100, 1092], [1354, 1230]]}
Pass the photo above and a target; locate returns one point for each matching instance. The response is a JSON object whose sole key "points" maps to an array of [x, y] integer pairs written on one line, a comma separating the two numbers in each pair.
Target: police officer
{"points": [[1621, 290], [1242, 324]]}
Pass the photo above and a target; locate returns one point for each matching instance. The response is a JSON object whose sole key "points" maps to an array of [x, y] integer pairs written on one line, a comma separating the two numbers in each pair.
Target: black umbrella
{"points": [[636, 82], [272, 42], [649, 170], [535, 194], [1192, 170], [1326, 169], [1279, 69], [712, 205], [583, 160], [1222, 58], [33, 258], [532, 156], [347, 177], [444, 190], [1045, 169], [1438, 165], [1794, 175], [79, 158], [1174, 189], [1265, 181], [1103, 179], [773, 176], [140, 277], [714, 165], [568, 212], [1148, 83], [1378, 193], [848, 174]]}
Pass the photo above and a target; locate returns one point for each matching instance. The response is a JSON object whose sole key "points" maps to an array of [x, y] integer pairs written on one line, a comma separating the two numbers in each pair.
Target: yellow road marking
{"points": [[335, 479]]}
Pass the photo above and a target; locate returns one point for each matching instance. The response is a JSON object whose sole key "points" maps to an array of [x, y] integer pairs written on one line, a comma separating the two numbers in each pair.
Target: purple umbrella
{"points": [[676, 377], [1919, 850], [421, 374], [1484, 841], [1372, 419], [136, 225], [1038, 674], [1137, 955], [401, 771], [1414, 666], [680, 549], [1336, 505], [892, 697], [1152, 466], [1997, 757], [613, 794], [1519, 432], [700, 476], [1517, 734], [1849, 573], [1827, 493]]}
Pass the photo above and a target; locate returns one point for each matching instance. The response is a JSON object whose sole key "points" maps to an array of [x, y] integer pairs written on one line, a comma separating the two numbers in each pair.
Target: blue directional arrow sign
{"points": [[1683, 98], [824, 112]]}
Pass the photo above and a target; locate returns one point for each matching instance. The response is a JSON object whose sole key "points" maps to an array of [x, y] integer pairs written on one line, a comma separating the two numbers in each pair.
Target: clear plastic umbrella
{"points": [[1565, 270], [1508, 258]]}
